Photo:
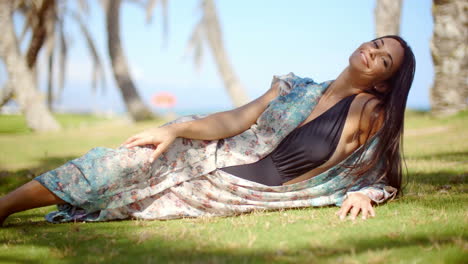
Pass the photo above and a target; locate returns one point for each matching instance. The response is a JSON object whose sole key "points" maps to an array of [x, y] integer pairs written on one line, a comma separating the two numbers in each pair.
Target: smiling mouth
{"points": [[364, 59]]}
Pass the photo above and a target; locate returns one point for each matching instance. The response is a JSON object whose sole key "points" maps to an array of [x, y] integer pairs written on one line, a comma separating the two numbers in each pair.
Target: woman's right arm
{"points": [[226, 124], [216, 126]]}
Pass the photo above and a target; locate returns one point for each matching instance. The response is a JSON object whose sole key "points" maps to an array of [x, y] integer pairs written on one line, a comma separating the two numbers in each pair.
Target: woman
{"points": [[300, 144]]}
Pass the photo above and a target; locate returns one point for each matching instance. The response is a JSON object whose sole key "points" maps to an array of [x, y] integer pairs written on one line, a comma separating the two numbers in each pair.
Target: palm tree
{"points": [[135, 106], [208, 29], [449, 48], [21, 82], [387, 17], [44, 20]]}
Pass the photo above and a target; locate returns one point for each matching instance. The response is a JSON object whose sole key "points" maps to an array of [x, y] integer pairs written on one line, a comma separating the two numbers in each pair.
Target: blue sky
{"points": [[262, 38]]}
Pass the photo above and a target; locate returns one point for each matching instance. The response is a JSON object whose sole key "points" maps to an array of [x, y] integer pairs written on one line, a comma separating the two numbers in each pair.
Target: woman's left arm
{"points": [[362, 201]]}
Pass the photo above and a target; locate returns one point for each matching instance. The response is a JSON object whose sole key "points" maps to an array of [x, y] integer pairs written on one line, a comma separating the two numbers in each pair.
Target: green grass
{"points": [[427, 225], [16, 124]]}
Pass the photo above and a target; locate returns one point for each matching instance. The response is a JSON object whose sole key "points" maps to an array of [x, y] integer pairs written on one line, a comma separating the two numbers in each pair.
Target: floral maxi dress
{"points": [[185, 181]]}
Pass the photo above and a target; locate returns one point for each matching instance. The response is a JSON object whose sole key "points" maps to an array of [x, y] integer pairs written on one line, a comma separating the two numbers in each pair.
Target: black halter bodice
{"points": [[304, 149]]}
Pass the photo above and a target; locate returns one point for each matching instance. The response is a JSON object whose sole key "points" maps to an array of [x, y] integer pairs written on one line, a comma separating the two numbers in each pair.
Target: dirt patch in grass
{"points": [[426, 131]]}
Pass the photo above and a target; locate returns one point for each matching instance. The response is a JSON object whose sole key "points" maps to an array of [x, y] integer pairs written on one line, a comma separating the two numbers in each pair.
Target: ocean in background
{"points": [[12, 108]]}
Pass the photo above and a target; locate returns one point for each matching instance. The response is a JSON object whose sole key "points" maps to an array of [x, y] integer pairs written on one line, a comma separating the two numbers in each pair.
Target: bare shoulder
{"points": [[366, 101], [370, 115]]}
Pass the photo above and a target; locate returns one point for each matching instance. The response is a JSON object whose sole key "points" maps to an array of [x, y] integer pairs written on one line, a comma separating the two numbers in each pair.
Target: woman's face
{"points": [[377, 60]]}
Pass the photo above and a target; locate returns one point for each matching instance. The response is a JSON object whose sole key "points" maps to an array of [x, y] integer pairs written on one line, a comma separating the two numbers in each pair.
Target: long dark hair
{"points": [[389, 149]]}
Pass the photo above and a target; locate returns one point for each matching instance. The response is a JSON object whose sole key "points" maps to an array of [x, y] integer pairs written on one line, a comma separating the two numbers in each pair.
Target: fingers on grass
{"points": [[344, 210], [371, 211], [354, 212], [338, 212], [364, 212]]}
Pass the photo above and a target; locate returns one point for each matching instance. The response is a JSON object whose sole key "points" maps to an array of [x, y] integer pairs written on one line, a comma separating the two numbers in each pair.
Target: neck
{"points": [[345, 85]]}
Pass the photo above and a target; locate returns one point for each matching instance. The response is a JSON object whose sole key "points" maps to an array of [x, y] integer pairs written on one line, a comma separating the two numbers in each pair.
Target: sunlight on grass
{"points": [[427, 225]]}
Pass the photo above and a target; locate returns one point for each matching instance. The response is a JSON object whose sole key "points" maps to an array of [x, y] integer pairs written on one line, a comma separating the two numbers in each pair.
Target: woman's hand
{"points": [[160, 137], [355, 203]]}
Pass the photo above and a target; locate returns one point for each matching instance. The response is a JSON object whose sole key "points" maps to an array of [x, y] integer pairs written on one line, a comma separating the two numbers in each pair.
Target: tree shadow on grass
{"points": [[11, 179], [101, 242], [444, 202], [461, 156], [437, 178], [444, 189], [4, 259]]}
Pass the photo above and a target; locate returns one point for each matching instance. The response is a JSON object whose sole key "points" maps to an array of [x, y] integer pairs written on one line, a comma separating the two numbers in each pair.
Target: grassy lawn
{"points": [[427, 225]]}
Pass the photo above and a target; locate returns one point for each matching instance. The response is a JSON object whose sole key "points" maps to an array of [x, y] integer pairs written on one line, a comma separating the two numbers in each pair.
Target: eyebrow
{"points": [[383, 43]]}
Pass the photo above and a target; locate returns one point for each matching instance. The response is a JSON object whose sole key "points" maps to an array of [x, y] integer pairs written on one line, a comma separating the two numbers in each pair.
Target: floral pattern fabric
{"points": [[106, 184]]}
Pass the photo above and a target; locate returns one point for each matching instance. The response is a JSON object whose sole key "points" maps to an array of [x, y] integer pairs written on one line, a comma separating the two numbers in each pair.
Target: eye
{"points": [[385, 63], [375, 44]]}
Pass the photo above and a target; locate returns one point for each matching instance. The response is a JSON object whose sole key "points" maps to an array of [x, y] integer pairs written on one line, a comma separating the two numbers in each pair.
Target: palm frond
{"points": [[195, 45], [50, 47], [27, 26], [165, 17], [207, 29], [62, 57], [98, 70], [6, 93], [50, 37], [104, 4], [211, 23], [84, 7], [150, 6]]}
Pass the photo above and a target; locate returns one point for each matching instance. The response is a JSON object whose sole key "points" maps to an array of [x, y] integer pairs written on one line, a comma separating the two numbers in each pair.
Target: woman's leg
{"points": [[28, 196]]}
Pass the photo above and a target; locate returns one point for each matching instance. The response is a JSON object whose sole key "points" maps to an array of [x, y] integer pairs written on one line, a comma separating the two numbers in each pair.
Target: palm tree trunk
{"points": [[6, 93], [20, 76], [135, 106], [449, 47], [213, 33], [387, 17], [39, 31]]}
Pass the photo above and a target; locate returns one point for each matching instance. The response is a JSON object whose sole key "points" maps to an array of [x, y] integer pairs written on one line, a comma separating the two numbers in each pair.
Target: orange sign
{"points": [[164, 100]]}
